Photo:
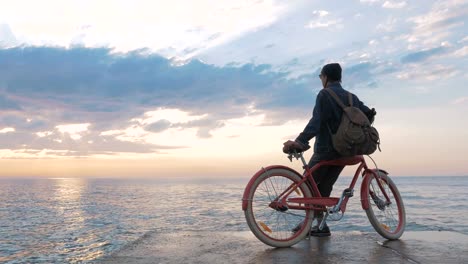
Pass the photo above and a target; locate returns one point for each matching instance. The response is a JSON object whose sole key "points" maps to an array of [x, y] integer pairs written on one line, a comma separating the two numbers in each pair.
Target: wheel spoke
{"points": [[280, 223]]}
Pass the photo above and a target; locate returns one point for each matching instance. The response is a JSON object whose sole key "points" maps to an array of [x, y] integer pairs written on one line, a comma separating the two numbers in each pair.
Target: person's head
{"points": [[330, 73]]}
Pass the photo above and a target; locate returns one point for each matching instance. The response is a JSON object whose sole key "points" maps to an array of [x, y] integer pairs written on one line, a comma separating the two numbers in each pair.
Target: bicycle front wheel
{"points": [[388, 219], [275, 227]]}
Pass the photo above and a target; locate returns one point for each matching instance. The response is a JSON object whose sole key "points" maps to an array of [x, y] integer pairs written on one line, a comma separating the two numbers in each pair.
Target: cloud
{"points": [[67, 98], [387, 26], [394, 5], [175, 115], [7, 38], [6, 130], [439, 23], [427, 72], [89, 144], [75, 131], [175, 118], [360, 74], [188, 27], [463, 40], [325, 23], [423, 55], [460, 100], [158, 126], [462, 52], [205, 125], [321, 19], [320, 13], [369, 1], [8, 104]]}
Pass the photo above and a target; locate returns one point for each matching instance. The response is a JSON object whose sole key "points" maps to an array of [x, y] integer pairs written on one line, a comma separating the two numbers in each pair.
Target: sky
{"points": [[208, 88]]}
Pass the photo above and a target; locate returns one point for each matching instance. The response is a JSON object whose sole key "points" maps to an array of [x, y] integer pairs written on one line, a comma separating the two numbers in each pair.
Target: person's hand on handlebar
{"points": [[289, 146]]}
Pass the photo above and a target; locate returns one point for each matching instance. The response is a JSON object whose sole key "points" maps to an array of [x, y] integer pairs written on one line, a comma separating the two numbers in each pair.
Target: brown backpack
{"points": [[355, 135]]}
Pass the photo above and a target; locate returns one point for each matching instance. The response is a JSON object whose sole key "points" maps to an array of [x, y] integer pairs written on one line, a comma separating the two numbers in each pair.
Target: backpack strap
{"points": [[337, 99]]}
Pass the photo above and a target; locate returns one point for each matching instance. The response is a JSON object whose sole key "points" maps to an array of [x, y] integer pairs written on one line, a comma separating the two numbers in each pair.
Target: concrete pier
{"points": [[341, 247]]}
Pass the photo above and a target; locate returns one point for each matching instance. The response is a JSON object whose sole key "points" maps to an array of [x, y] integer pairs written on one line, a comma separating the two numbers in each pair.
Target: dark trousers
{"points": [[325, 176]]}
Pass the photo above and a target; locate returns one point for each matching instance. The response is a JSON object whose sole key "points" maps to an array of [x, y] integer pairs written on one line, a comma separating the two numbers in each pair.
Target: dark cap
{"points": [[332, 71]]}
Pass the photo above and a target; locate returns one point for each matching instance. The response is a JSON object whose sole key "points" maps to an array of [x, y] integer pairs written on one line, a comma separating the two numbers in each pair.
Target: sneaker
{"points": [[314, 231]]}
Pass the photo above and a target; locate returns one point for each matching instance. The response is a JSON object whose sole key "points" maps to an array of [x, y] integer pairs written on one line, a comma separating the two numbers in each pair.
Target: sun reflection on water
{"points": [[69, 204]]}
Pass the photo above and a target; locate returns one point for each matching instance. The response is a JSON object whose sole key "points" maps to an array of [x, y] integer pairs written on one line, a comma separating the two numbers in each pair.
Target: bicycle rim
{"points": [[387, 219], [276, 227]]}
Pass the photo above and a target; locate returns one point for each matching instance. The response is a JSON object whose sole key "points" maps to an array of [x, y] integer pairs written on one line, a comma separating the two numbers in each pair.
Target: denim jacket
{"points": [[326, 118]]}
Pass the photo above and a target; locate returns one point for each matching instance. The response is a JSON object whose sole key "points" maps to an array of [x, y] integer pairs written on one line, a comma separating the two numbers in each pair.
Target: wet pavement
{"points": [[341, 247]]}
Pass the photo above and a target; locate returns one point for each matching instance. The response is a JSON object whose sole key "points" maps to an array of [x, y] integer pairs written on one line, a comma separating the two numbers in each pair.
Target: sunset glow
{"points": [[213, 88]]}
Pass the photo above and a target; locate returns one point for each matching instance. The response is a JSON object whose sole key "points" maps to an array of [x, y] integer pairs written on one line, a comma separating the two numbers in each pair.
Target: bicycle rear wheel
{"points": [[275, 227], [388, 220]]}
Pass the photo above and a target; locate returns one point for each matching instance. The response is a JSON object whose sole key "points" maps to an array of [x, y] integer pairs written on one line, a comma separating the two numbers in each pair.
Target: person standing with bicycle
{"points": [[324, 123]]}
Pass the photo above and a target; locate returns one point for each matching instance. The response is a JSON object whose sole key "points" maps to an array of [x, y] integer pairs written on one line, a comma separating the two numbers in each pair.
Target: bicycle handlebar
{"points": [[294, 154], [297, 155], [296, 150]]}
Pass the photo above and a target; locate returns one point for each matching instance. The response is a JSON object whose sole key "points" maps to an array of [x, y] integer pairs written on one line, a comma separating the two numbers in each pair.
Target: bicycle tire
{"points": [[271, 226], [388, 220]]}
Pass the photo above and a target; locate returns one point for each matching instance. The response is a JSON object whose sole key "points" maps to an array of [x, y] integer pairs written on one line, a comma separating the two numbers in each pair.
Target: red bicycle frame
{"points": [[318, 202]]}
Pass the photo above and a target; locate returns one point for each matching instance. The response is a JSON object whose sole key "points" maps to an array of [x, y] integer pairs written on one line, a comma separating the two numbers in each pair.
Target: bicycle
{"points": [[278, 200]]}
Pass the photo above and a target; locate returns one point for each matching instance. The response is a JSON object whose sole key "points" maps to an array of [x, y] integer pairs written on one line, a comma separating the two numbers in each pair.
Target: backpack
{"points": [[355, 135]]}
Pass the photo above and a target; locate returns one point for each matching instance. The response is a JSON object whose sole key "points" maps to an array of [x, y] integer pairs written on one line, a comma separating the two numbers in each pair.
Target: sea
{"points": [[81, 220]]}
